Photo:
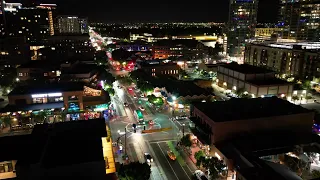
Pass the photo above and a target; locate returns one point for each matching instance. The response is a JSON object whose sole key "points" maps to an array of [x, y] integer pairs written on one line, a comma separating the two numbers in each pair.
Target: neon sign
{"points": [[46, 95]]}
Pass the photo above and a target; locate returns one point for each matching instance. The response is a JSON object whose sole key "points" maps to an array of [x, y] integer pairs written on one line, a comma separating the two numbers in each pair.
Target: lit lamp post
{"points": [[183, 129], [174, 103]]}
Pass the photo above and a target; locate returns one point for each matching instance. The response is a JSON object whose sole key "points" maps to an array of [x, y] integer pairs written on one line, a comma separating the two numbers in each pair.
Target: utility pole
{"points": [[125, 141], [183, 130]]}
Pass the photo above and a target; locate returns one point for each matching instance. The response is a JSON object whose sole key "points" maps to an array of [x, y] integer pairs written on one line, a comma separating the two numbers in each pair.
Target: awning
{"points": [[33, 107]]}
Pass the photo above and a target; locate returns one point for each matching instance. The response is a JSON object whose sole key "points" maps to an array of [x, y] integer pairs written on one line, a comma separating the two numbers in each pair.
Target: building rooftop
{"points": [[81, 141], [190, 43], [41, 65], [156, 63], [246, 68], [81, 68], [292, 45], [47, 88], [256, 108], [271, 81]]}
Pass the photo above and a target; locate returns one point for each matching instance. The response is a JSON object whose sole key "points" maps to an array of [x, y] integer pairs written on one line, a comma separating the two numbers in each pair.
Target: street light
{"points": [[174, 98], [183, 129]]}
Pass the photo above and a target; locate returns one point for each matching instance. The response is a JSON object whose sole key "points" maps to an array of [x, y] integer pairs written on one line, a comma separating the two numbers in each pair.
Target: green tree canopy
{"points": [[186, 141], [134, 171], [198, 155]]}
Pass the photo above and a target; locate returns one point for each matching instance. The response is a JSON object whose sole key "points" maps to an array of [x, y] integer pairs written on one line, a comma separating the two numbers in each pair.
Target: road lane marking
{"points": [[157, 162], [168, 161]]}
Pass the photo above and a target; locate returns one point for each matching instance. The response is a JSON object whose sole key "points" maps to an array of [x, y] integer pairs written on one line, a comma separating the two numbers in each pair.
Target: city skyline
{"points": [[204, 10]]}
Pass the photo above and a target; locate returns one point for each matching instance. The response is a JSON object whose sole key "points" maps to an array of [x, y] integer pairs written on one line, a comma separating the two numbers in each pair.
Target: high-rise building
{"points": [[2, 19], [84, 25], [300, 19], [34, 23], [241, 25], [68, 25]]}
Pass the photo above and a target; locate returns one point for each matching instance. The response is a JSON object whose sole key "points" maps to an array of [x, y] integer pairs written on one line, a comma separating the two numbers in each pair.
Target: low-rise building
{"points": [[287, 59], [224, 120], [56, 152], [190, 48], [38, 69], [71, 96], [254, 136], [257, 81], [158, 68]]}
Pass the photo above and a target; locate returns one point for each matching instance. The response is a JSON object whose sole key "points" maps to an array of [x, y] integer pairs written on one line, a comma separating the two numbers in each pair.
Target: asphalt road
{"points": [[138, 144], [172, 168]]}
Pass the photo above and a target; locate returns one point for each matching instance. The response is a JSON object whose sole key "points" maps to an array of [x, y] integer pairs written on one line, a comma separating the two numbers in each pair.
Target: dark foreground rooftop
{"points": [[239, 109]]}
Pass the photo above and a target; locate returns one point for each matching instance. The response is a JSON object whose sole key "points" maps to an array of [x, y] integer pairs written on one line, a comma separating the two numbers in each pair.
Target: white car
{"points": [[200, 175], [134, 96], [141, 108], [148, 157], [142, 95]]}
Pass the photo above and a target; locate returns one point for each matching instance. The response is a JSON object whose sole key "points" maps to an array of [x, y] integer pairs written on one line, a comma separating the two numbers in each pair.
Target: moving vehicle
{"points": [[200, 175], [171, 155], [148, 158], [139, 116], [125, 104], [134, 96], [141, 95], [141, 108], [151, 122]]}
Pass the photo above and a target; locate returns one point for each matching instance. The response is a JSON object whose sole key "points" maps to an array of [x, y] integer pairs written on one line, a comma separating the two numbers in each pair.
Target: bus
{"points": [[139, 116]]}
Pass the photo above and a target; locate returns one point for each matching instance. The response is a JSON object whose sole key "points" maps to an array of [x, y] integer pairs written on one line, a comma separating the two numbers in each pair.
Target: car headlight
{"points": [[151, 160], [148, 160]]}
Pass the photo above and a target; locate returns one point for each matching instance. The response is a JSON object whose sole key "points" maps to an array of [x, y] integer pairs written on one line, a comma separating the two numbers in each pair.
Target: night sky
{"points": [[158, 11]]}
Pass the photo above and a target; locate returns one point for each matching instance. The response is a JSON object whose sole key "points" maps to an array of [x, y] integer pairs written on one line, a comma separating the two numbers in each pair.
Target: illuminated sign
{"points": [[46, 95]]}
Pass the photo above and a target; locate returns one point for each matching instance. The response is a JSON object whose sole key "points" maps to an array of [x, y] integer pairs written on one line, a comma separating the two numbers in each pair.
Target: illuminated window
{"points": [[20, 74]]}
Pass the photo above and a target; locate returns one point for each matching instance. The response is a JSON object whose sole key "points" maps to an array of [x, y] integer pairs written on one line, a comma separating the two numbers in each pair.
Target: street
{"points": [[154, 143]]}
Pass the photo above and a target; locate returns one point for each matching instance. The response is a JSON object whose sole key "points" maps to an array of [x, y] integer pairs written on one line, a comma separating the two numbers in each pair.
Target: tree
{"points": [[105, 76], [295, 98], [134, 171], [7, 121], [306, 85], [124, 80], [111, 91], [215, 167], [315, 174], [308, 97], [198, 155], [145, 87], [186, 141]]}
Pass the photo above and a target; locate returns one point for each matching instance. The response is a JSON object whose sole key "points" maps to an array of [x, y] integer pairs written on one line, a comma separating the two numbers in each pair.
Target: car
{"points": [[151, 122], [148, 158], [141, 108], [134, 96], [125, 104], [130, 89], [171, 155], [200, 175], [142, 95]]}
